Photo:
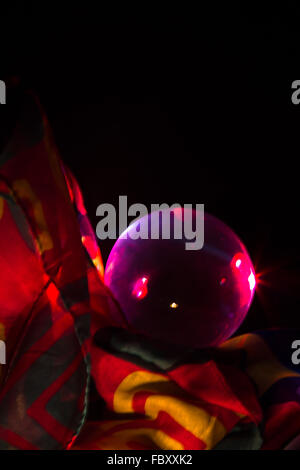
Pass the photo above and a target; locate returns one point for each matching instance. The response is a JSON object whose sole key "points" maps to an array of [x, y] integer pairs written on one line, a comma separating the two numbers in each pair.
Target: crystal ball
{"points": [[195, 298]]}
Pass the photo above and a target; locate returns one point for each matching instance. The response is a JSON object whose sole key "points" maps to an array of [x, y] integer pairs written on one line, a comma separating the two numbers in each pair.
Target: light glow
{"points": [[140, 290], [252, 281], [174, 305]]}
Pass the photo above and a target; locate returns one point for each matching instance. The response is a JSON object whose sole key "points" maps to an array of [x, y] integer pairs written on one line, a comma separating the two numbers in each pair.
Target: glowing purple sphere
{"points": [[191, 298]]}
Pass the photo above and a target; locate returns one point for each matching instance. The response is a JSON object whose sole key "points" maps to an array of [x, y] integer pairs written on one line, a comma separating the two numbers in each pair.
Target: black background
{"points": [[179, 106]]}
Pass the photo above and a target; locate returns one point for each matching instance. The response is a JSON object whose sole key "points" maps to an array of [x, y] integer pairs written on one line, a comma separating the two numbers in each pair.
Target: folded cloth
{"points": [[49, 267], [54, 320], [243, 395]]}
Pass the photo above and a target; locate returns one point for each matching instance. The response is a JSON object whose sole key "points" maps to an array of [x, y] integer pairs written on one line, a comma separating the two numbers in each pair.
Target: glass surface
{"points": [[190, 298]]}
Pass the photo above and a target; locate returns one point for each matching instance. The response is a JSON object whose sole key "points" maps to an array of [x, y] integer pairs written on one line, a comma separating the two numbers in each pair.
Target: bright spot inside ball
{"points": [[213, 287], [140, 289], [174, 305]]}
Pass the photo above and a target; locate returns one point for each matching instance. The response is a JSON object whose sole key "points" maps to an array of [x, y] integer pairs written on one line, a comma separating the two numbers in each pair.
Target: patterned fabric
{"points": [[244, 395], [277, 380], [46, 277], [55, 324]]}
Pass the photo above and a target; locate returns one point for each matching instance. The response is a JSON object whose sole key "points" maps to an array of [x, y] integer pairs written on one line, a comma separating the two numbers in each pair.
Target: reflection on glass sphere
{"points": [[190, 298]]}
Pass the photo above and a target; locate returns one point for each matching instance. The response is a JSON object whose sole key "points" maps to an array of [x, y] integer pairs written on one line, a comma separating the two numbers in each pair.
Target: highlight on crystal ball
{"points": [[191, 298]]}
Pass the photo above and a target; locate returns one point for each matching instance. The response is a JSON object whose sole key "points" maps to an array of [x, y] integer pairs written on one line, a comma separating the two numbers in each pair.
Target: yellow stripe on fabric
{"points": [[169, 399], [24, 191], [262, 366], [94, 436], [194, 419], [138, 381], [120, 439]]}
